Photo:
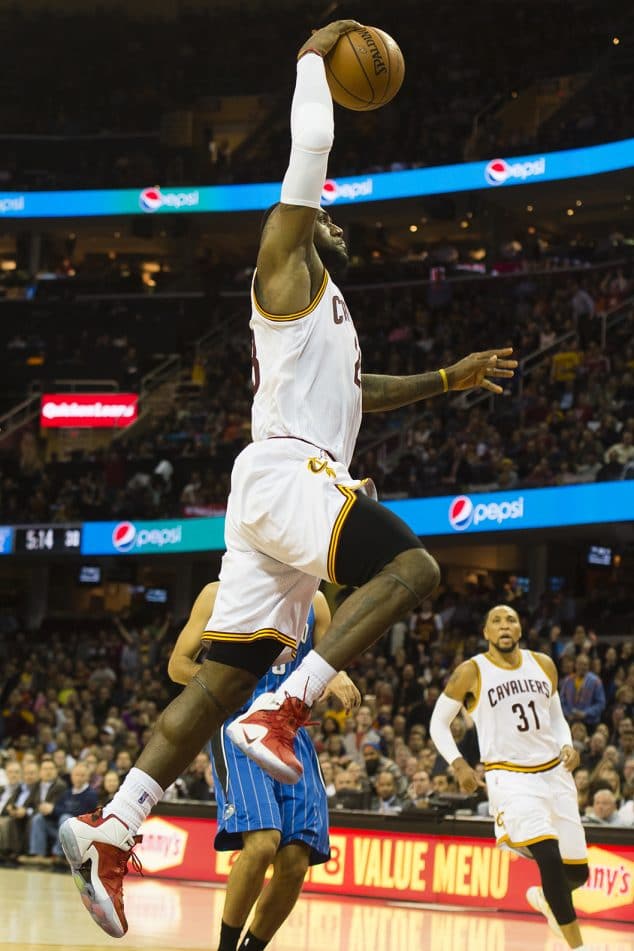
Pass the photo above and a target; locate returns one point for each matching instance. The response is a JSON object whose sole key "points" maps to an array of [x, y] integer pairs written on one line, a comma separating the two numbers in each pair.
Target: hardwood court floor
{"points": [[41, 911]]}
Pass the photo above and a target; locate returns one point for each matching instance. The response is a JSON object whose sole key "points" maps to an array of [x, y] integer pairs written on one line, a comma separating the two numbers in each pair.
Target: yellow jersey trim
{"points": [[476, 692], [515, 768], [300, 313], [350, 499], [522, 845], [575, 861], [538, 661], [501, 666], [237, 637]]}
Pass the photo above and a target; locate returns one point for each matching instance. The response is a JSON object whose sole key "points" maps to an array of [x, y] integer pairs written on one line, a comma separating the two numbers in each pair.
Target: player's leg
{"points": [[303, 810], [377, 553], [245, 883], [279, 897], [556, 890], [563, 861], [370, 549], [98, 846]]}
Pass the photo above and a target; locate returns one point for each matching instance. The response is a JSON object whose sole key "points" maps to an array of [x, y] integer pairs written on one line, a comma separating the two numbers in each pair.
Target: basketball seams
{"points": [[345, 88], [388, 63], [362, 67]]}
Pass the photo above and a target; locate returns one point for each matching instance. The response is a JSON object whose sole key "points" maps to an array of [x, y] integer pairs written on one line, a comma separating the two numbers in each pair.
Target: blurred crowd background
{"points": [[158, 305]]}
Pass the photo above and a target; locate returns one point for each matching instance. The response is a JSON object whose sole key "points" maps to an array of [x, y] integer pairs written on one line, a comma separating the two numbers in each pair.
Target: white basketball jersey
{"points": [[512, 715], [307, 374]]}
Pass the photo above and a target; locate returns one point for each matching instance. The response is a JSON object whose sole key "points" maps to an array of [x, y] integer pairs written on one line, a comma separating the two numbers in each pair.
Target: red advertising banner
{"points": [[465, 871], [72, 410]]}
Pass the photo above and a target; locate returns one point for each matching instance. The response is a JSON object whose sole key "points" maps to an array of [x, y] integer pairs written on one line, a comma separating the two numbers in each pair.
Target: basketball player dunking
{"points": [[268, 822], [294, 515], [528, 756]]}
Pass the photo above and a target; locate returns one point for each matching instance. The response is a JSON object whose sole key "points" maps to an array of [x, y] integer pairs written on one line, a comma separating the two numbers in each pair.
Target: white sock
{"points": [[136, 798], [309, 681]]}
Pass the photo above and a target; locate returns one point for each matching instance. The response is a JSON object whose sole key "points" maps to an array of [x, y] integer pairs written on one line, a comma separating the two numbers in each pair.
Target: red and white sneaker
{"points": [[98, 851], [266, 732]]}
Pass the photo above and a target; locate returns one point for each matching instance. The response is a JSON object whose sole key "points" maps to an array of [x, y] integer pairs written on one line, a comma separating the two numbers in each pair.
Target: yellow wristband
{"points": [[445, 381]]}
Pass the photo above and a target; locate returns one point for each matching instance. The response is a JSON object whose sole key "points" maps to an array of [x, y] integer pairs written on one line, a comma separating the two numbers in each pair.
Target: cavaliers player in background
{"points": [[295, 515], [526, 747]]}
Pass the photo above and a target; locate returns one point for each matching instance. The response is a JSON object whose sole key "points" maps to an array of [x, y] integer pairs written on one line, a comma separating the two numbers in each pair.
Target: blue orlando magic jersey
{"points": [[249, 799]]}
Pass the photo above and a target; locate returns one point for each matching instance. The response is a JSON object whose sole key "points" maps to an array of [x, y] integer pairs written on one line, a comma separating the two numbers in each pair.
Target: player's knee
{"points": [[292, 864], [416, 571], [577, 875], [260, 848]]}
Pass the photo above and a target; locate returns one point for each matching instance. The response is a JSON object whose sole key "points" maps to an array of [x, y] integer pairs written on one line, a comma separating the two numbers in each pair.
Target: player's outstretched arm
{"points": [[181, 666], [288, 264], [462, 685], [381, 393]]}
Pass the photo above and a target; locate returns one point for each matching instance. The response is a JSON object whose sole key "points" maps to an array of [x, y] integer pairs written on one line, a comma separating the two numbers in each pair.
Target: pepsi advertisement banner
{"points": [[518, 509], [470, 176], [153, 538], [521, 509]]}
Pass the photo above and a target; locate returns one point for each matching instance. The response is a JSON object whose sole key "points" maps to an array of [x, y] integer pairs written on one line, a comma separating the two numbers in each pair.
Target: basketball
{"points": [[365, 69]]}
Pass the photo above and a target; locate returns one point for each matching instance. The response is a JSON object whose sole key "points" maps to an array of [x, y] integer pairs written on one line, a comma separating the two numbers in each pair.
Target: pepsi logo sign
{"points": [[124, 536], [332, 190], [153, 199], [498, 171], [461, 513]]}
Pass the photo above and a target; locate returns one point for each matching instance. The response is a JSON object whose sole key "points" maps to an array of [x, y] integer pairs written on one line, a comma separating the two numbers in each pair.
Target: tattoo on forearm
{"points": [[382, 393]]}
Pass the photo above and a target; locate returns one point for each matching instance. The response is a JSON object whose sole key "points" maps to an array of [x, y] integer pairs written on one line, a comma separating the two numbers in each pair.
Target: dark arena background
{"points": [[490, 204]]}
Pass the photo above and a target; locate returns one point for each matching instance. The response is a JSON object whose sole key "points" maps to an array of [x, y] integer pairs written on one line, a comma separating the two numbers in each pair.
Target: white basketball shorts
{"points": [[287, 506], [530, 807]]}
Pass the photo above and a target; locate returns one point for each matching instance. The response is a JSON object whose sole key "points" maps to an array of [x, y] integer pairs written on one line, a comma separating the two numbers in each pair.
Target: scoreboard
{"points": [[47, 539]]}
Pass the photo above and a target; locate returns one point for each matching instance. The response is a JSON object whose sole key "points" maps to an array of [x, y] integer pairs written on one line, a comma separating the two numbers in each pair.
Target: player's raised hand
{"points": [[345, 691], [569, 757], [323, 40], [478, 369]]}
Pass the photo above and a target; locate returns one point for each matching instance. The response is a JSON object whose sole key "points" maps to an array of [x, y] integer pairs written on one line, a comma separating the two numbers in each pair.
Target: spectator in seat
{"points": [[76, 801], [418, 791], [364, 733], [386, 801], [8, 795], [612, 469], [375, 764], [582, 694], [346, 795], [19, 810], [622, 451], [604, 810], [199, 780], [111, 783]]}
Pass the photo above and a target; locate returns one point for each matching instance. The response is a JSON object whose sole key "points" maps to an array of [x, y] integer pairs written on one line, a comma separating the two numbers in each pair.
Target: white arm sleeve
{"points": [[445, 712], [558, 722], [312, 132]]}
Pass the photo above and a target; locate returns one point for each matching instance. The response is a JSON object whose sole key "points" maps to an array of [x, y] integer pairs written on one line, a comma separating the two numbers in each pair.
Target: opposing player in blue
{"points": [[271, 823]]}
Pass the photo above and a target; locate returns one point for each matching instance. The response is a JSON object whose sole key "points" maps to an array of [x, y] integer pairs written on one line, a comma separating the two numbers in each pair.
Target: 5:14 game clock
{"points": [[47, 538]]}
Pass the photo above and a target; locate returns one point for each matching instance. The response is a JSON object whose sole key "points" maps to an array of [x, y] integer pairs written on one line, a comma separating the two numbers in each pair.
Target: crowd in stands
{"points": [[569, 418], [78, 700], [110, 126]]}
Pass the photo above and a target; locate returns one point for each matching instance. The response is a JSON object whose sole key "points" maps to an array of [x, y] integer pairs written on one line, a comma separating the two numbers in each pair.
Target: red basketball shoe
{"points": [[266, 732], [98, 851]]}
